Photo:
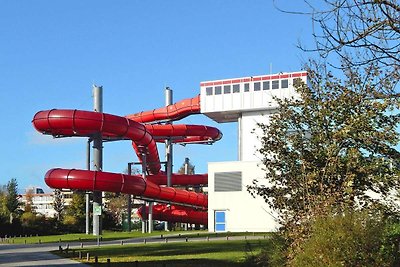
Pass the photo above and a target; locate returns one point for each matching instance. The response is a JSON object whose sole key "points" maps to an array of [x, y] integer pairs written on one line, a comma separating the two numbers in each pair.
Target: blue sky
{"points": [[51, 52]]}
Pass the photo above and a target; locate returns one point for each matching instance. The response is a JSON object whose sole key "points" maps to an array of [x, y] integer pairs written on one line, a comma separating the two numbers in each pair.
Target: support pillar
{"points": [[97, 161], [168, 148], [87, 210], [129, 199], [144, 213]]}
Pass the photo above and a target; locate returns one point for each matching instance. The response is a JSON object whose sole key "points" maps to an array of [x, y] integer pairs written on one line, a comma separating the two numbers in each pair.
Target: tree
{"points": [[12, 198], [75, 213], [59, 203], [116, 205], [358, 32], [330, 150], [29, 202]]}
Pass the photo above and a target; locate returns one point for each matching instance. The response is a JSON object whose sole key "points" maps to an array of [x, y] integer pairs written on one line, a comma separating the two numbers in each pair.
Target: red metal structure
{"points": [[189, 206]]}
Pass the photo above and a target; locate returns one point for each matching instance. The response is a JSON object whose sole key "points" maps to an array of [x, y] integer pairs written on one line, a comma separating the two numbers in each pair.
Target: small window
{"points": [[285, 83], [275, 84], [209, 91], [246, 87], [266, 85], [227, 89], [257, 86], [218, 90], [236, 88], [220, 221]]}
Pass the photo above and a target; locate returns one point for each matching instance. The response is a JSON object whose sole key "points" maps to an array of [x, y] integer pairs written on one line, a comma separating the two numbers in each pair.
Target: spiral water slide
{"points": [[145, 130]]}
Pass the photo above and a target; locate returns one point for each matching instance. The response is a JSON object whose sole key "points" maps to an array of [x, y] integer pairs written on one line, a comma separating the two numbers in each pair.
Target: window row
{"points": [[257, 86]]}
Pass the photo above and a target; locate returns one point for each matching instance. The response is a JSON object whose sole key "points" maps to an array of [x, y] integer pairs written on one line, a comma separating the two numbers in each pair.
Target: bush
{"points": [[350, 239], [272, 255]]}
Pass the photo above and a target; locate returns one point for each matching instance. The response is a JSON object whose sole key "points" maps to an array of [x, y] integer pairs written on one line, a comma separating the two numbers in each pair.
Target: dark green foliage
{"points": [[74, 219], [328, 150], [348, 239], [12, 201], [59, 203]]}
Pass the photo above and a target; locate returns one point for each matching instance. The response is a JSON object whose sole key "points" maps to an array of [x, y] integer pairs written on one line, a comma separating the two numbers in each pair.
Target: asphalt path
{"points": [[39, 254]]}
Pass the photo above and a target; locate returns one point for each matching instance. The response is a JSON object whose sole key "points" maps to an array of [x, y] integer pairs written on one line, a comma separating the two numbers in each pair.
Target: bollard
{"points": [[67, 246], [227, 237], [59, 240], [166, 240], [108, 262], [179, 235], [40, 241], [60, 248], [245, 237], [87, 256], [161, 236], [96, 259], [186, 239], [208, 238], [80, 255], [122, 242], [136, 263], [81, 245], [144, 241]]}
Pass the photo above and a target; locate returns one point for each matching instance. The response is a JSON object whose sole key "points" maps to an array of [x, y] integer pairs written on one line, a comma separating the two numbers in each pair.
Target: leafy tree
{"points": [[116, 205], [29, 201], [59, 203], [329, 150], [76, 211], [12, 198], [359, 32]]}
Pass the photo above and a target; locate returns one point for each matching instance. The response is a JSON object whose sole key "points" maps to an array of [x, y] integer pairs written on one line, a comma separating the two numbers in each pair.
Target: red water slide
{"points": [[144, 135]]}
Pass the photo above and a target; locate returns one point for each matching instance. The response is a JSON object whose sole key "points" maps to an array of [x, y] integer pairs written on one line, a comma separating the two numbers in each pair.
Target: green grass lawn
{"points": [[77, 237], [109, 235], [211, 253]]}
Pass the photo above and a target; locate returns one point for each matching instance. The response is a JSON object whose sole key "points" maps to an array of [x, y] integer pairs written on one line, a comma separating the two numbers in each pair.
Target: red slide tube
{"points": [[172, 112], [67, 122], [118, 182], [174, 213]]}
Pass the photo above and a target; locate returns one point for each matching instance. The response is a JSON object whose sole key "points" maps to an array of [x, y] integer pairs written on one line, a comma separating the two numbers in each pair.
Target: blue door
{"points": [[220, 221]]}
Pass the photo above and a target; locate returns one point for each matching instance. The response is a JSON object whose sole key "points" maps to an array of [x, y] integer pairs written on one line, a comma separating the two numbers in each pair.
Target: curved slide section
{"points": [[128, 184], [66, 122], [144, 134], [176, 214], [172, 112]]}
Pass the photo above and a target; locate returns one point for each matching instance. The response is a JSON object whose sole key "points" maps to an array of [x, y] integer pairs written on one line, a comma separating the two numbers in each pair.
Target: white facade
{"points": [[42, 203], [248, 101], [231, 199]]}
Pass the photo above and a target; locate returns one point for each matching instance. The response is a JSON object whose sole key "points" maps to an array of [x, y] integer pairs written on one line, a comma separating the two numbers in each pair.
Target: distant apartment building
{"points": [[42, 203]]}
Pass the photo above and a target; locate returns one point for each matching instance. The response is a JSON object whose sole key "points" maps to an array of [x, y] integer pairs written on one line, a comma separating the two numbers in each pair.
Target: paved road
{"points": [[39, 255], [33, 255]]}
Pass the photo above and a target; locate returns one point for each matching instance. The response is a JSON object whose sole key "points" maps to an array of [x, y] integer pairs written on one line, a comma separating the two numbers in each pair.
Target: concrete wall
{"points": [[242, 211]]}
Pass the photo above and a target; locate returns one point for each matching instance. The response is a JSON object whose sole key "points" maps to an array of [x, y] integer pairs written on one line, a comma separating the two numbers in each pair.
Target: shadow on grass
{"points": [[173, 263]]}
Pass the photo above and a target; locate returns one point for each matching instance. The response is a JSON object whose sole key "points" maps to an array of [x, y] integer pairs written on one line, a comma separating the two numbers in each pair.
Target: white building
{"points": [[42, 203], [248, 101]]}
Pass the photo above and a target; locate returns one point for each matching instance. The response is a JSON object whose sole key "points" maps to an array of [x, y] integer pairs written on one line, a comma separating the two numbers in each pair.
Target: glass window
{"points": [[220, 221], [218, 90], [227, 89], [236, 88], [257, 86], [275, 84], [246, 87], [266, 85], [285, 83], [209, 91]]}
